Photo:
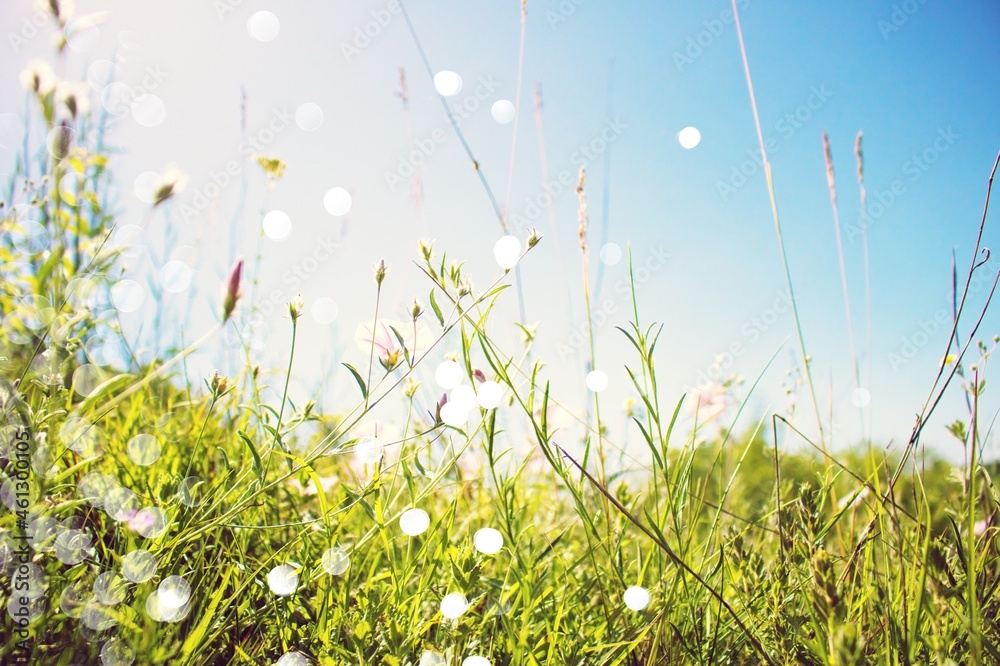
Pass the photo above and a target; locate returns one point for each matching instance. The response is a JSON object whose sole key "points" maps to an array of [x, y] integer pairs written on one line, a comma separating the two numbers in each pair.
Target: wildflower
{"points": [[171, 182], [387, 346], [629, 407], [980, 527], [73, 97], [272, 166], [380, 271], [233, 292], [710, 401], [39, 78], [295, 308], [949, 359], [218, 385], [479, 375], [140, 521]]}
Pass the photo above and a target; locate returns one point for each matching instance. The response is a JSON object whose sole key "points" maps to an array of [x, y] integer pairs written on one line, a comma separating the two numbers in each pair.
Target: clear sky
{"points": [[619, 81]]}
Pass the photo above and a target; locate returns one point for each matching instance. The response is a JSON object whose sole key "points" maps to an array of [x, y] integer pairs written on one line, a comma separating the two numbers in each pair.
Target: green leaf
{"points": [[357, 378], [104, 389], [402, 345], [257, 466], [362, 629], [194, 639], [437, 310]]}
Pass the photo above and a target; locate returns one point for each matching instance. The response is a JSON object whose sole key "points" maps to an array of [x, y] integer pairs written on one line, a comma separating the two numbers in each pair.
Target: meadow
{"points": [[152, 518]]}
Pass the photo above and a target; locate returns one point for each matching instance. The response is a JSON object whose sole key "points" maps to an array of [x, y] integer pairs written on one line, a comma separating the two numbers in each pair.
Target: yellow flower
{"points": [[272, 166]]}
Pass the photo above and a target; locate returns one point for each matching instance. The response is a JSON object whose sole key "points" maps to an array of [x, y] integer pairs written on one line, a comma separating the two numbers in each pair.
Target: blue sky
{"points": [[918, 78]]}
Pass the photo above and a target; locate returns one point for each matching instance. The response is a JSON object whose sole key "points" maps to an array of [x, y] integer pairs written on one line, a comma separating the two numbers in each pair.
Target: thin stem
{"points": [[284, 398], [806, 360], [468, 151], [971, 579], [451, 119], [517, 113], [201, 435], [584, 227], [371, 352], [868, 283]]}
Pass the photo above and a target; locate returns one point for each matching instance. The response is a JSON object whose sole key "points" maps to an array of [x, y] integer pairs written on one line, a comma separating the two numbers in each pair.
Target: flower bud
{"points": [[218, 385], [416, 309], [533, 238], [295, 307], [426, 249], [380, 271], [440, 404], [233, 292], [170, 183]]}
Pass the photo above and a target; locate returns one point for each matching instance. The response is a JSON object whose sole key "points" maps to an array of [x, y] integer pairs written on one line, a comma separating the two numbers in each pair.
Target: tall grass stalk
{"points": [[584, 223], [806, 359], [863, 220], [832, 185], [518, 83]]}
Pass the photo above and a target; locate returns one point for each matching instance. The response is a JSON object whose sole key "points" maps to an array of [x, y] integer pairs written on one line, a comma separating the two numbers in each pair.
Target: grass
{"points": [[749, 552]]}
